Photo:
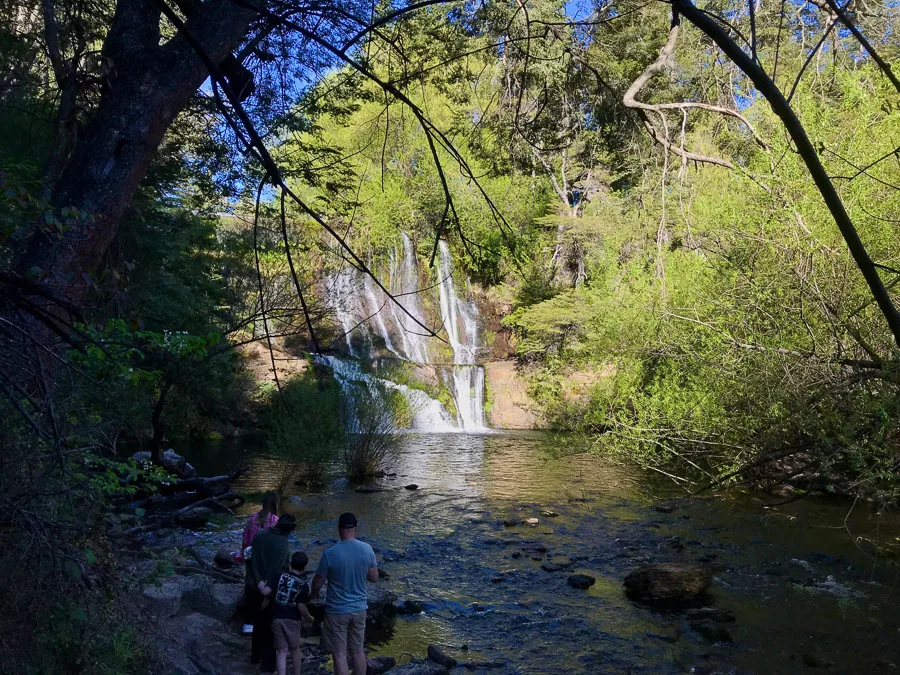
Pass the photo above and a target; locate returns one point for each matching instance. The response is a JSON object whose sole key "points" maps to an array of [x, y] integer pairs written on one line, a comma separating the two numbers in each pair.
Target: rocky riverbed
{"points": [[507, 560]]}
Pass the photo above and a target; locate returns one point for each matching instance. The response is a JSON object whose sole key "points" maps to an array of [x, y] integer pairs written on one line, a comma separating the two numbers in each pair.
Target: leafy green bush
{"points": [[304, 425], [373, 431]]}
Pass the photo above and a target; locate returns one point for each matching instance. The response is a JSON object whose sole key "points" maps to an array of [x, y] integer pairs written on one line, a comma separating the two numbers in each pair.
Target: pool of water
{"points": [[801, 579]]}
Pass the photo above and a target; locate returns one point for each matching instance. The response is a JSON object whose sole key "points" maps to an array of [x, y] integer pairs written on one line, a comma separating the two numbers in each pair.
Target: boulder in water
{"points": [[668, 582], [436, 655], [410, 607], [581, 581], [382, 607], [411, 486]]}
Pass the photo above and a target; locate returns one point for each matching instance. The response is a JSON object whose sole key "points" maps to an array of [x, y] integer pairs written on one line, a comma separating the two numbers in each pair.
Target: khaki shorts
{"points": [[344, 633], [286, 633]]}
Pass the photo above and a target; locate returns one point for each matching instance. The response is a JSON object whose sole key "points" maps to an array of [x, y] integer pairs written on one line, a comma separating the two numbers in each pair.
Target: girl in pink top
{"points": [[263, 520]]}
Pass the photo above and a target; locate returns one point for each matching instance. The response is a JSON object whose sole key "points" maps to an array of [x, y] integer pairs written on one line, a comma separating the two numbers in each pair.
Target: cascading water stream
{"points": [[459, 318], [365, 313], [427, 414]]}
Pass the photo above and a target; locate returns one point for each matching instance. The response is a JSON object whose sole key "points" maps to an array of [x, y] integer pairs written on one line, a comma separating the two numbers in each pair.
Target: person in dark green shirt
{"points": [[270, 555]]}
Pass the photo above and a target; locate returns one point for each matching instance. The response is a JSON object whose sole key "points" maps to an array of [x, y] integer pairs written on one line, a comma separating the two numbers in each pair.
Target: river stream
{"points": [[798, 577]]}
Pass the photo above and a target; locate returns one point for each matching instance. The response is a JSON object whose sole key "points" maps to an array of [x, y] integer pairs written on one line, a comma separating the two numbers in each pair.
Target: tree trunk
{"points": [[157, 424], [150, 84]]}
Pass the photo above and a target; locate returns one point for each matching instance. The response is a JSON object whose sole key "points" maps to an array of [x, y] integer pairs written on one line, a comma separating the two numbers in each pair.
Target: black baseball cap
{"points": [[346, 521]]}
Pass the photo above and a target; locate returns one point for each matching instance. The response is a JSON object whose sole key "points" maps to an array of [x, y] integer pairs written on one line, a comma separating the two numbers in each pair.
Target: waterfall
{"points": [[405, 287], [368, 318], [376, 311], [427, 414], [459, 318]]}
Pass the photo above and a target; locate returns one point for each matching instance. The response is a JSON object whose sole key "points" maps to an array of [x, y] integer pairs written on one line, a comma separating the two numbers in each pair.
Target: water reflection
{"points": [[796, 582]]}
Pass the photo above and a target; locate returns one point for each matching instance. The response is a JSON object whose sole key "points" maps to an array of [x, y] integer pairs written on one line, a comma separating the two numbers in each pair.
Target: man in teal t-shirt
{"points": [[346, 567]]}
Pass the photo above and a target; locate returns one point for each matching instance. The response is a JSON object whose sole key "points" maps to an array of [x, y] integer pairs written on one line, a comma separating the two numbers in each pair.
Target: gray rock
{"points": [[436, 655], [668, 582], [196, 593], [162, 601], [222, 601], [197, 654], [581, 581], [380, 664], [382, 606]]}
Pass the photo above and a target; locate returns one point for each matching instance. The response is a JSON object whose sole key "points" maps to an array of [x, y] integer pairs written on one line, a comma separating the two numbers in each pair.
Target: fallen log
{"points": [[183, 514], [207, 487]]}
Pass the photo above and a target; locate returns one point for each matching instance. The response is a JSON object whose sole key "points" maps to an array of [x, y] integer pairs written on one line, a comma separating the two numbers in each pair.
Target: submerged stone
{"points": [[581, 581], [711, 613], [410, 607], [668, 582], [712, 631]]}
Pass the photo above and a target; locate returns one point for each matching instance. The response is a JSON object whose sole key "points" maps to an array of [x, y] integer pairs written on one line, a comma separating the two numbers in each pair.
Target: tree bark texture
{"points": [[150, 84]]}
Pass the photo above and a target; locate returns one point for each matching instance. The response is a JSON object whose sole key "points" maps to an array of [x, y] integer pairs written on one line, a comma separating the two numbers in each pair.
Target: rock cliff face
{"points": [[510, 407]]}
